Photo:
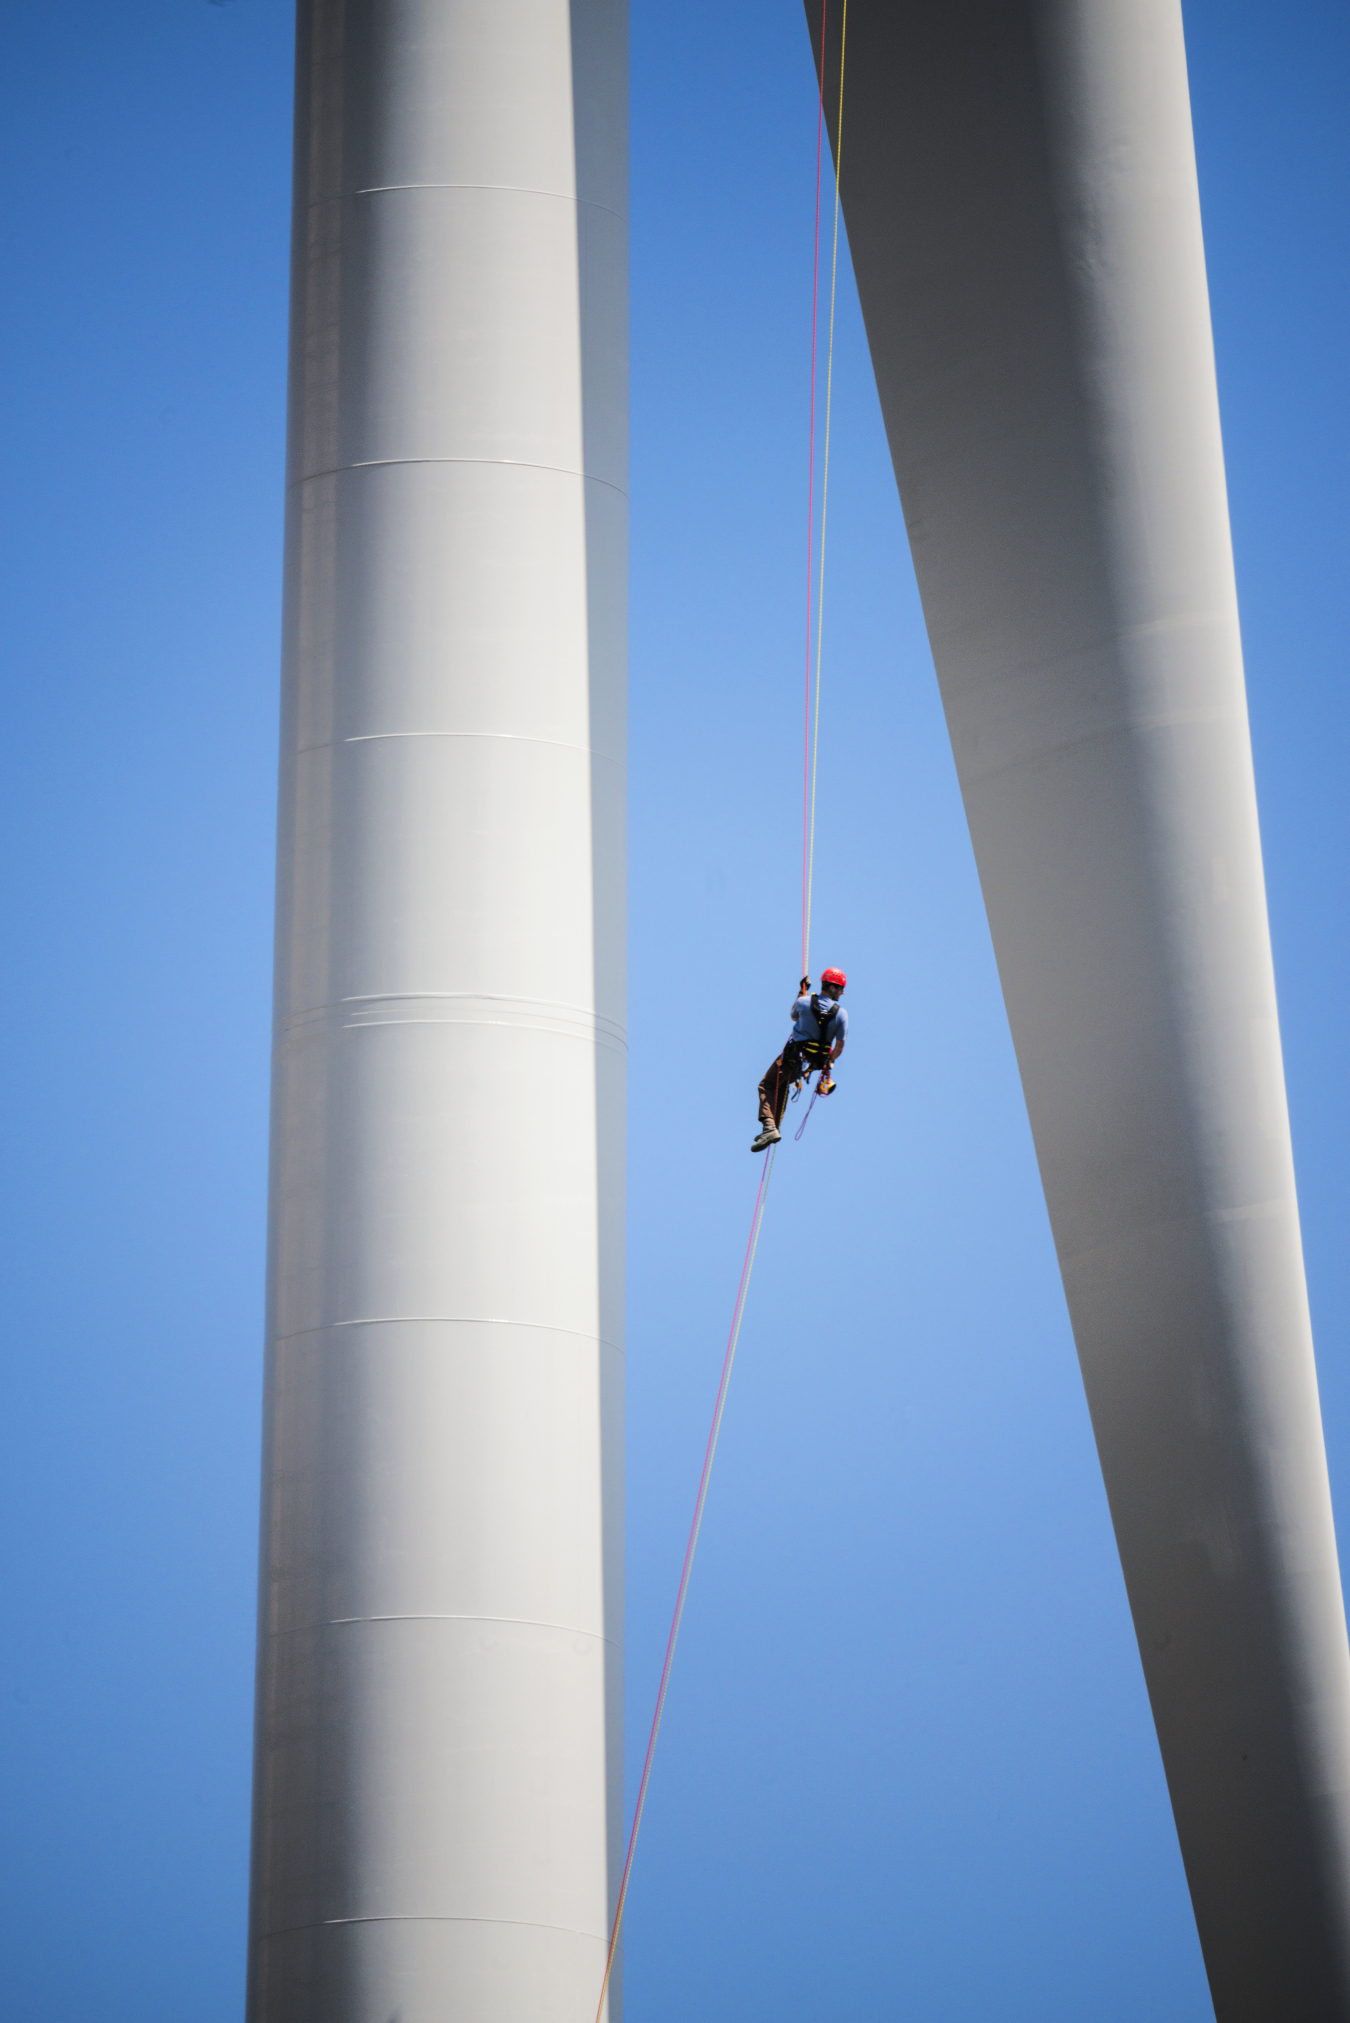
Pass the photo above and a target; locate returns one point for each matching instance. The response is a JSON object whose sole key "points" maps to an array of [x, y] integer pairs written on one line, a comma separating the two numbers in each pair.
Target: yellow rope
{"points": [[825, 482]]}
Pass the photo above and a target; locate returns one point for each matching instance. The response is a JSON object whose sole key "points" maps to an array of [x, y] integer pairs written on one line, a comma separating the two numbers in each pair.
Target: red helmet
{"points": [[833, 976]]}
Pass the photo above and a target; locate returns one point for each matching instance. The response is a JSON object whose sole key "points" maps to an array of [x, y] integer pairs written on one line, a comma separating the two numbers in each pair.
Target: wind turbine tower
{"points": [[438, 1760]]}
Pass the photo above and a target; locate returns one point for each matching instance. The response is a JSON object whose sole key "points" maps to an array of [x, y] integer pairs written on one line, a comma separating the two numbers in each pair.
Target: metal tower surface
{"points": [[438, 1804], [1019, 188]]}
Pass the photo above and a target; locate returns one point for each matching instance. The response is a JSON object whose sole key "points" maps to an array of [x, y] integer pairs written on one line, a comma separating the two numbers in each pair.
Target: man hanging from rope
{"points": [[819, 1028]]}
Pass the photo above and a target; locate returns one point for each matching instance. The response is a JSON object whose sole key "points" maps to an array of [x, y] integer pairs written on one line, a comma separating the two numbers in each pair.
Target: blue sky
{"points": [[907, 1768]]}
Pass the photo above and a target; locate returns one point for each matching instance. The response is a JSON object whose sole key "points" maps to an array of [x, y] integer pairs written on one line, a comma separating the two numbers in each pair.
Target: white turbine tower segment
{"points": [[1020, 191], [438, 1803]]}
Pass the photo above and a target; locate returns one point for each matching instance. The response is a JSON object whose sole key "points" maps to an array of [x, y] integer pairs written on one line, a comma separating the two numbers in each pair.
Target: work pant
{"points": [[779, 1076]]}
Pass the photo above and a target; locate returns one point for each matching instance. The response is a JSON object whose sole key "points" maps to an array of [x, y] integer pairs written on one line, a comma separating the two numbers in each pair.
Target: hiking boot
{"points": [[769, 1135]]}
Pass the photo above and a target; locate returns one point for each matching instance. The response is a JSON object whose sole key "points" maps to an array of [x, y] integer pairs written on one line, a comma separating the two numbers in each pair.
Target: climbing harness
{"points": [[824, 1008], [826, 1011], [811, 1055]]}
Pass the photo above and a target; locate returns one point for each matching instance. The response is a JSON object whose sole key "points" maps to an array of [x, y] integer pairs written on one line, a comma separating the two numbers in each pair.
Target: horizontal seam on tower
{"points": [[447, 1320], [506, 1025], [505, 463], [468, 996], [505, 189], [976, 775], [1246, 1211], [505, 737], [517, 1622], [427, 1918], [494, 998], [1251, 1211], [452, 997]]}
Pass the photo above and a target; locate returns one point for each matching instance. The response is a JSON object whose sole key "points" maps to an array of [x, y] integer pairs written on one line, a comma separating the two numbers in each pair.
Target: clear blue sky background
{"points": [[908, 1767]]}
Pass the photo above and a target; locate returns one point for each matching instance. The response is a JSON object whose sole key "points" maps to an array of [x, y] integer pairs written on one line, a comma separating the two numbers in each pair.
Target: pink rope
{"points": [[811, 493], [685, 1572], [758, 1214]]}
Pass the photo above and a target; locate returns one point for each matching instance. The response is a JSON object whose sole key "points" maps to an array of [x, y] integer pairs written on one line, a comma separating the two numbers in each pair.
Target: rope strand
{"points": [[738, 1314], [812, 753], [814, 733], [811, 509]]}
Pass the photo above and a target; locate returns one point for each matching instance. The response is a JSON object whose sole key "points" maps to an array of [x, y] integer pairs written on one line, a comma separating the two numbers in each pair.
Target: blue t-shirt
{"points": [[806, 1026]]}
